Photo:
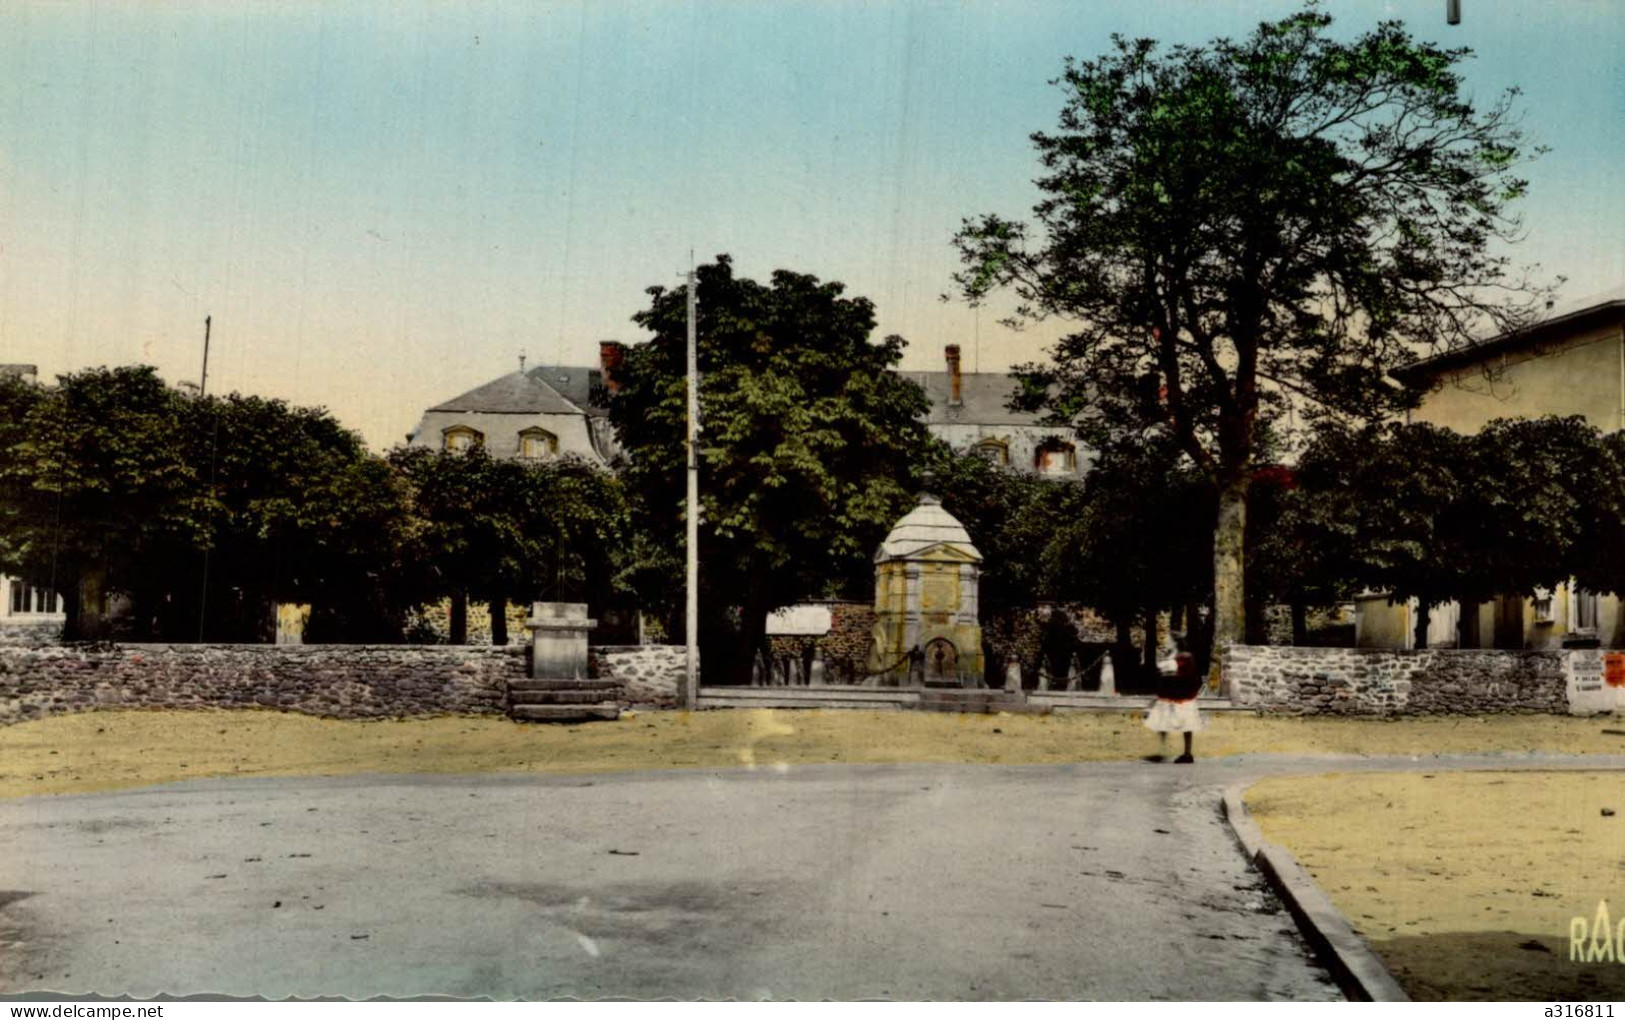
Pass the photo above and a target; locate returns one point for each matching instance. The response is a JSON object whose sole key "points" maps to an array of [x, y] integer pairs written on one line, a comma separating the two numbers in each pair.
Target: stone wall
{"points": [[339, 681], [31, 634], [1369, 681], [653, 674], [845, 648]]}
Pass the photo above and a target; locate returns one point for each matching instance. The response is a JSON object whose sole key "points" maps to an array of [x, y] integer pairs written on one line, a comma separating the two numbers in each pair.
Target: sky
{"points": [[382, 205]]}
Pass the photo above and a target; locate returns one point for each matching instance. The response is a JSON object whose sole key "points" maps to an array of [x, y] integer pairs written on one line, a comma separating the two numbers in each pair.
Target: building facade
{"points": [[537, 414], [1570, 362], [547, 412], [969, 412]]}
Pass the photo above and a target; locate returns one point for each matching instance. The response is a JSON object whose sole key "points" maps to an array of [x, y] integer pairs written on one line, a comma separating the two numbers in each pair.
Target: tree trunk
{"points": [[1300, 623], [1229, 574], [1150, 637], [499, 619], [458, 626], [88, 611], [1467, 629], [1419, 639], [1122, 652]]}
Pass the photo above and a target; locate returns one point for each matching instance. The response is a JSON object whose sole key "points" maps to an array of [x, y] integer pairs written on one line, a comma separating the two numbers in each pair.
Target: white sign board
{"points": [[799, 621], [1594, 682]]}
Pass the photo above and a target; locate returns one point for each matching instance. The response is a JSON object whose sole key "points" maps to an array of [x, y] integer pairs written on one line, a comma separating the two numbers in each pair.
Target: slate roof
{"points": [[577, 389], [984, 396], [581, 385], [514, 393], [1572, 312], [923, 527]]}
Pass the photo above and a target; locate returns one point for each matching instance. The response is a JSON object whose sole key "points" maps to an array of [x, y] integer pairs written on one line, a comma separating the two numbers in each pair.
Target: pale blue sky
{"points": [[382, 204]]}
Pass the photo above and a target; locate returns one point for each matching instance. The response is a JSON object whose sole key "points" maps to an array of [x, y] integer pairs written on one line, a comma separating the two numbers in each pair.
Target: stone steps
{"points": [[565, 713], [522, 697], [564, 685], [567, 700], [949, 699]]}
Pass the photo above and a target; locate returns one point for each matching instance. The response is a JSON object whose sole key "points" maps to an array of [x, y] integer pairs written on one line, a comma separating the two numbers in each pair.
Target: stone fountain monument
{"points": [[926, 628]]}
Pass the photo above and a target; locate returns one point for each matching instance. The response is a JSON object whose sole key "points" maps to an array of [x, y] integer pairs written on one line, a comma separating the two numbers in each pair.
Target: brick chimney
{"points": [[956, 382], [610, 355]]}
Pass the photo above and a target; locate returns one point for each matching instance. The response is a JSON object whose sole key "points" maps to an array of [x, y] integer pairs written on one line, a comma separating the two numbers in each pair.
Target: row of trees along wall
{"points": [[204, 513]]}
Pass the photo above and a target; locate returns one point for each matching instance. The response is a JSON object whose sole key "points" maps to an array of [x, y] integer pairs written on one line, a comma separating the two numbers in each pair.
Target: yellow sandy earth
{"points": [[1467, 884], [109, 750]]}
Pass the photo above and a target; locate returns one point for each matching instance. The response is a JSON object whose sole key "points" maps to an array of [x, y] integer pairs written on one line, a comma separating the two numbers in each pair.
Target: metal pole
{"points": [[691, 685], [203, 384], [1452, 12]]}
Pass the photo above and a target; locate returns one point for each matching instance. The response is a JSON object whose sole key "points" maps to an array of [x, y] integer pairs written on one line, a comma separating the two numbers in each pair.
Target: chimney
{"points": [[956, 382], [610, 355]]}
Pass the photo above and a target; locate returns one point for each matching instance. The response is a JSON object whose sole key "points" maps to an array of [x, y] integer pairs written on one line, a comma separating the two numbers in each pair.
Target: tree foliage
{"points": [[1422, 512], [806, 451], [505, 531], [1236, 225], [203, 511]]}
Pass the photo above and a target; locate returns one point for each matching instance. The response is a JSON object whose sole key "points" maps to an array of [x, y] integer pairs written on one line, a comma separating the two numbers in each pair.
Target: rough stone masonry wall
{"points": [[1370, 681], [845, 648], [30, 635], [653, 674], [339, 681]]}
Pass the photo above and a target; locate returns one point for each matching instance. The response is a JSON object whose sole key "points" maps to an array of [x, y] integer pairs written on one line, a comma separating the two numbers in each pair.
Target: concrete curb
{"points": [[1358, 971]]}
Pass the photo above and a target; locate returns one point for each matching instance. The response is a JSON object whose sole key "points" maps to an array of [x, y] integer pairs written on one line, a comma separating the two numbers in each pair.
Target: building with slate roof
{"points": [[538, 414], [1569, 361], [553, 410], [970, 412]]}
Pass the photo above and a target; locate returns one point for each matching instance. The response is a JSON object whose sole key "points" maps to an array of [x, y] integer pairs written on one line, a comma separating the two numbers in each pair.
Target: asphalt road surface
{"points": [[1097, 881]]}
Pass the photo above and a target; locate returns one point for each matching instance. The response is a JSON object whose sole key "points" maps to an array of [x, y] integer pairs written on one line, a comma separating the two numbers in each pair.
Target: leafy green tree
{"points": [[1011, 516], [1238, 224], [1139, 546], [296, 510], [1423, 512], [203, 511], [94, 478], [806, 450], [510, 530]]}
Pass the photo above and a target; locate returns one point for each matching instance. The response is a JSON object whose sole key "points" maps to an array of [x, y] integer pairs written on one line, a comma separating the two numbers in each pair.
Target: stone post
{"points": [[1108, 676], [558, 640]]}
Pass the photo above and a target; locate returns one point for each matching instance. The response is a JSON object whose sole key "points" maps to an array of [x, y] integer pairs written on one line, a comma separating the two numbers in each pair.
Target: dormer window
{"points": [[994, 451], [1055, 457], [461, 438], [538, 444]]}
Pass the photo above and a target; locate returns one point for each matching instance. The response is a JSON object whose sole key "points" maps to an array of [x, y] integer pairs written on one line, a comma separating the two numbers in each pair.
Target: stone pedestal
{"points": [[558, 640]]}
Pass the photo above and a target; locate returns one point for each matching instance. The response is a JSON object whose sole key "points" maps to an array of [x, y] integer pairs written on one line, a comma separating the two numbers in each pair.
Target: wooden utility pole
{"points": [[691, 680], [203, 384]]}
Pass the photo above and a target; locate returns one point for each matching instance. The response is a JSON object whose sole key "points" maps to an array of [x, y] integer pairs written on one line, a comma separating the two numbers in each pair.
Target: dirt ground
{"points": [[1466, 884], [110, 750]]}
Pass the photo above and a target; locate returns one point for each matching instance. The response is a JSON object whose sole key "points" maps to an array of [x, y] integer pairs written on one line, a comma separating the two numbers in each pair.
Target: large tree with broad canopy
{"points": [[1241, 224]]}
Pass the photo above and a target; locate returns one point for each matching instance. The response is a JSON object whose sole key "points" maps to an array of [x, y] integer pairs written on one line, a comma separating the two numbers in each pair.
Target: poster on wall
{"points": [[1613, 669]]}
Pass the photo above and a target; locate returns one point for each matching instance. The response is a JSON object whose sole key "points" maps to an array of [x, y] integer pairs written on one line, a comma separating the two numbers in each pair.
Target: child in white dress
{"points": [[1175, 709]]}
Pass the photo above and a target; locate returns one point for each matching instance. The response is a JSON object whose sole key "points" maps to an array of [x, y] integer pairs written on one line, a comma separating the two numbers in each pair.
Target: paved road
{"points": [[1109, 880]]}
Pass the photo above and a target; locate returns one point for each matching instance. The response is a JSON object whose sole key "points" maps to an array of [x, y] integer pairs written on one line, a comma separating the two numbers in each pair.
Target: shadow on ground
{"points": [[1496, 966]]}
